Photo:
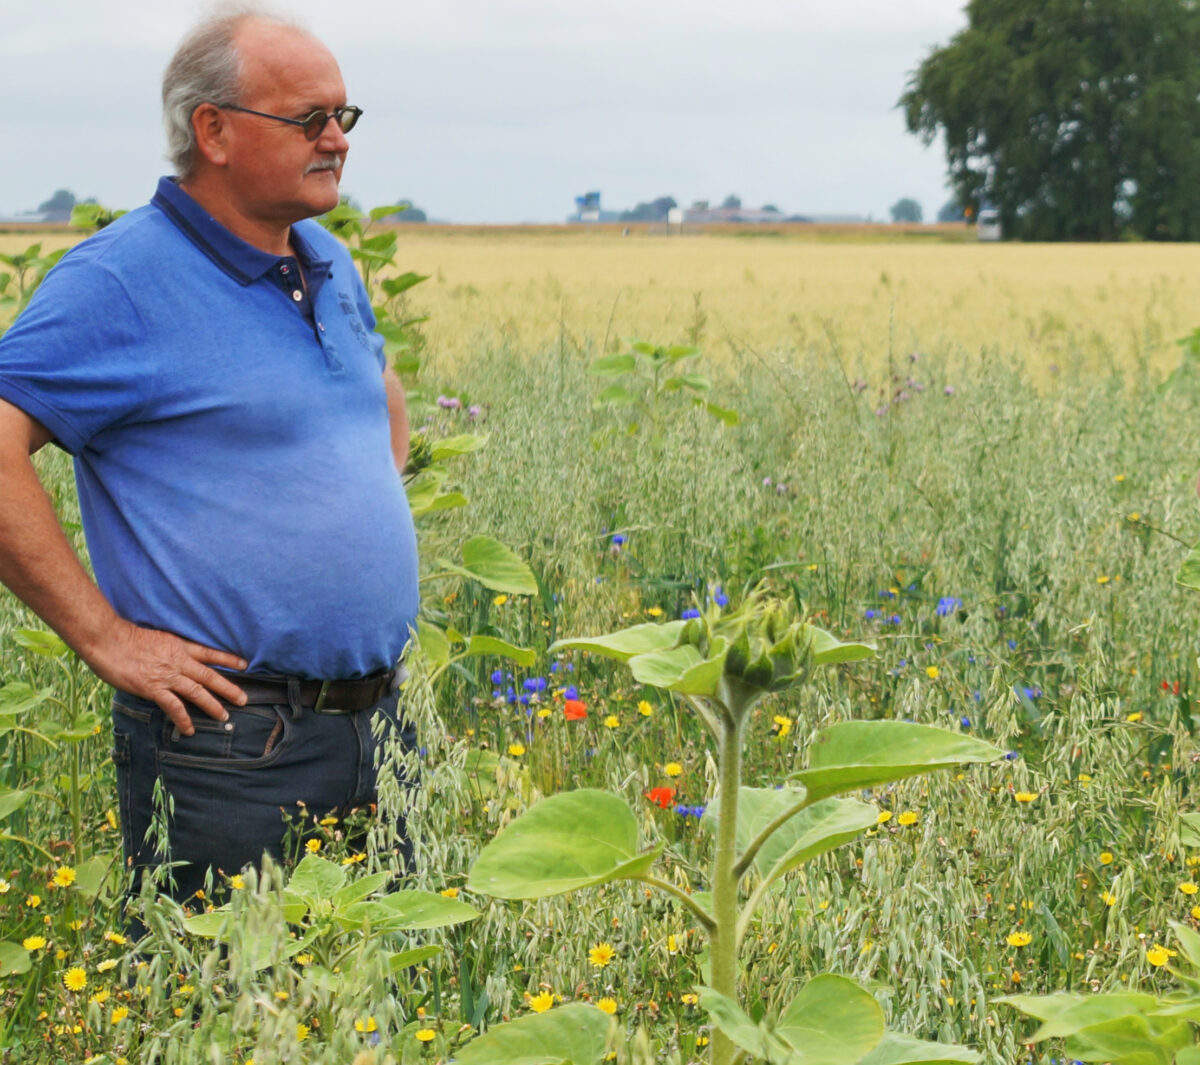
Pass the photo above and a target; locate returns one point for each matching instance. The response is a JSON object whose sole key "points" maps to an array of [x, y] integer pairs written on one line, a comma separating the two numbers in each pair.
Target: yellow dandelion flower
{"points": [[1158, 955], [672, 945], [74, 979], [108, 963], [932, 672], [1188, 888], [1103, 579], [328, 822], [5, 886], [612, 721], [516, 749], [655, 611], [425, 1035], [1135, 717], [541, 1003], [33, 901], [1026, 796], [1018, 939], [909, 817], [282, 996], [303, 959], [884, 817], [689, 998], [237, 882], [1195, 911], [33, 943], [64, 876], [601, 954], [608, 1005], [644, 708], [781, 725], [544, 712], [1106, 858], [99, 998], [1108, 898], [312, 846], [1135, 516], [1119, 478], [119, 1014], [354, 859], [302, 1031], [450, 892], [500, 600], [367, 1025], [673, 769]]}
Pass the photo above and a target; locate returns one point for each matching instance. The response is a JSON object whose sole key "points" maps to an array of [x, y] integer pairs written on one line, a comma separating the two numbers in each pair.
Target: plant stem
{"points": [[690, 903], [725, 881]]}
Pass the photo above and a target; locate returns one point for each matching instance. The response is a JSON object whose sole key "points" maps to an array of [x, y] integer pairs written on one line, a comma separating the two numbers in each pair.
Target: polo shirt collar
{"points": [[240, 260]]}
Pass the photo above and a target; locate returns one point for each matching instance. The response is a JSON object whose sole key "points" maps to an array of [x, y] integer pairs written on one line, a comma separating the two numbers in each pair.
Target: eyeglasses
{"points": [[314, 124]]}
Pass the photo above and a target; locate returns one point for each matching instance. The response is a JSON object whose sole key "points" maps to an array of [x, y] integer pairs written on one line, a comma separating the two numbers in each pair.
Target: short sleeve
{"points": [[76, 359]]}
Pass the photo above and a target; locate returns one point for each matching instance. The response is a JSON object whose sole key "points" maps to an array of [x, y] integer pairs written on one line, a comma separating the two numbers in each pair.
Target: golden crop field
{"points": [[1045, 305]]}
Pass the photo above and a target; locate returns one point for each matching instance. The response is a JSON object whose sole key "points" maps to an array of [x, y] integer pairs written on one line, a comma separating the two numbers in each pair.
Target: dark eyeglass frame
{"points": [[314, 124]]}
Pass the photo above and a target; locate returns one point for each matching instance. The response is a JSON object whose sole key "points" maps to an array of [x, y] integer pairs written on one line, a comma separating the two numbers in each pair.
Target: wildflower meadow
{"points": [[799, 704]]}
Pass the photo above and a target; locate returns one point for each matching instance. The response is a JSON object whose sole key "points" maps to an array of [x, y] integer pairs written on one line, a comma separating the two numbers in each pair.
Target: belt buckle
{"points": [[322, 692]]}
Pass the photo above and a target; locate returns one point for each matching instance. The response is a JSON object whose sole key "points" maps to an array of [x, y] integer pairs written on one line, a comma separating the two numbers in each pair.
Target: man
{"points": [[210, 363]]}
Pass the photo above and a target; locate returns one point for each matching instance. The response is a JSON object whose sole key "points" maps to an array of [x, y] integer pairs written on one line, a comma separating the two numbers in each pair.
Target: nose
{"points": [[332, 139]]}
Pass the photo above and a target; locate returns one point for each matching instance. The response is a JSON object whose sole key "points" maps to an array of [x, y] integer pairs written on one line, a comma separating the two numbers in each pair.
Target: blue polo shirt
{"points": [[230, 435]]}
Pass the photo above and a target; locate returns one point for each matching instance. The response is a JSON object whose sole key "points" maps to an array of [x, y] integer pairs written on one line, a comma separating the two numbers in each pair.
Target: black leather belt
{"points": [[322, 696]]}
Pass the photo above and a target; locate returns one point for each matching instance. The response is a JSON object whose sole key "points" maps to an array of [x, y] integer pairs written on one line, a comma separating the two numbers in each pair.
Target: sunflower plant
{"points": [[720, 664]]}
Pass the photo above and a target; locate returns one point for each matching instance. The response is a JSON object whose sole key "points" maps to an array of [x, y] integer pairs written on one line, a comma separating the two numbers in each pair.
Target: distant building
{"points": [[588, 209], [24, 218], [700, 212]]}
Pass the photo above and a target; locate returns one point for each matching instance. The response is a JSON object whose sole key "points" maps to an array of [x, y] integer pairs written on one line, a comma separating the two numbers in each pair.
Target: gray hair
{"points": [[206, 68]]}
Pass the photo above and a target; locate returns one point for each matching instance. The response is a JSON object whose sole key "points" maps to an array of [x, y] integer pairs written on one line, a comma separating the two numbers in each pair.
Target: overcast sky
{"points": [[504, 111]]}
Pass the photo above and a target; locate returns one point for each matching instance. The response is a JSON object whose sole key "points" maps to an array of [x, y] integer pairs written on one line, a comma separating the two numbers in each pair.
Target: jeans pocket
{"points": [[254, 737]]}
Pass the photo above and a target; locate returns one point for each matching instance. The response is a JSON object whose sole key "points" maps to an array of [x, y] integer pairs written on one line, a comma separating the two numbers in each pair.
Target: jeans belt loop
{"points": [[293, 694], [322, 692]]}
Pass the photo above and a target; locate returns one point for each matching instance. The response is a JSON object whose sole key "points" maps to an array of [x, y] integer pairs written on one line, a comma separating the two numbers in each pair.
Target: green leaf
{"points": [[451, 446], [207, 925], [624, 645], [832, 1021], [813, 831], [1188, 1056], [18, 698], [694, 381], [612, 366], [724, 414], [615, 396], [443, 501], [359, 889], [433, 643], [1132, 1040], [682, 669], [316, 879], [497, 567], [383, 212], [91, 875], [1189, 829], [11, 800], [572, 840], [1043, 1007], [423, 489], [393, 286], [1094, 1010], [731, 1019], [827, 650], [570, 1035], [492, 645], [864, 754], [896, 1049], [84, 727], [1189, 572], [40, 642], [406, 911], [14, 960], [404, 958], [1189, 942]]}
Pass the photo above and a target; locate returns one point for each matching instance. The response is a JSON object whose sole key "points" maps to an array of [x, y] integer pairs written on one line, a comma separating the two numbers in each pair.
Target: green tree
{"points": [[58, 208], [1077, 119], [906, 210]]}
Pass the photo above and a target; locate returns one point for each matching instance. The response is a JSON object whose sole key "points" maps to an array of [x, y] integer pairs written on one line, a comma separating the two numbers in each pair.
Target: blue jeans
{"points": [[231, 784]]}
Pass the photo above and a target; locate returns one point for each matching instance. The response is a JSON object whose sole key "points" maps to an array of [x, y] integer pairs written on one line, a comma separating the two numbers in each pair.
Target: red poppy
{"points": [[574, 710], [663, 797]]}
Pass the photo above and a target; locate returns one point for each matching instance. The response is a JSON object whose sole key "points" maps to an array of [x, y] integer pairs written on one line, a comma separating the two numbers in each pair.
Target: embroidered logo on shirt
{"points": [[356, 323]]}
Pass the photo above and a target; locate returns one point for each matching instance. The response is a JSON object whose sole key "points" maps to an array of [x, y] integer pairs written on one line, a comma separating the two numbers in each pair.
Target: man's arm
{"points": [[39, 566], [398, 415]]}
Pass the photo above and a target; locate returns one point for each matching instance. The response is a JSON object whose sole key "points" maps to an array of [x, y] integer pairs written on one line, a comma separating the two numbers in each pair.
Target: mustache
{"points": [[335, 162]]}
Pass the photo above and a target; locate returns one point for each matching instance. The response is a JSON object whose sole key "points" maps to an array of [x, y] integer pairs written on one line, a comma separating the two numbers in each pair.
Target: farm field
{"points": [[980, 460]]}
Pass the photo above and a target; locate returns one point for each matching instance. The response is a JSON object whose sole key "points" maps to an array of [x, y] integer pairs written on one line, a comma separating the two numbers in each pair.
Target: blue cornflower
{"points": [[871, 615], [1032, 693], [887, 593], [534, 684], [948, 604], [976, 696], [965, 721], [570, 667], [496, 693], [498, 676], [510, 696], [618, 539], [571, 692], [1012, 645], [1012, 756], [719, 597], [895, 619], [691, 612], [971, 659], [553, 667]]}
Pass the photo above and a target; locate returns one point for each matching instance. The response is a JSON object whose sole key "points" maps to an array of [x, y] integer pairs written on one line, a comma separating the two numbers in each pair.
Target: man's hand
{"points": [[167, 670]]}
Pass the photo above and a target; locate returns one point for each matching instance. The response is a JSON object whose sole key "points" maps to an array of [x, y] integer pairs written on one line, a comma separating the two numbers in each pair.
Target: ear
{"points": [[211, 128]]}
